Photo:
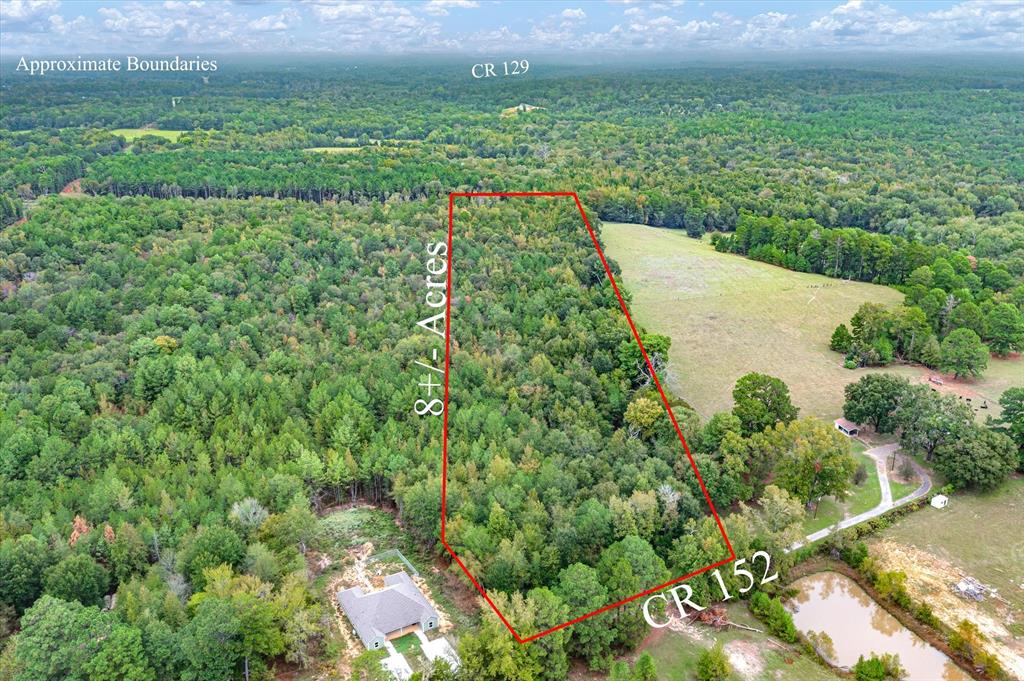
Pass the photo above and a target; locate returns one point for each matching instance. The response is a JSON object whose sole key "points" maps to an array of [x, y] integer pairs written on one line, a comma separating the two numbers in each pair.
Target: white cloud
{"points": [[1000, 21], [389, 26], [27, 16], [872, 23], [25, 10], [288, 18], [440, 7]]}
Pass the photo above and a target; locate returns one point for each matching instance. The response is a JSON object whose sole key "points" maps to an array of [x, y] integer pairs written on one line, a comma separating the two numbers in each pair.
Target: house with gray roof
{"points": [[396, 610]]}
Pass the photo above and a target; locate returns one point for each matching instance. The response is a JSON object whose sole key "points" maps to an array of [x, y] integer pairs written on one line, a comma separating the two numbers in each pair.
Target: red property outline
{"points": [[657, 383]]}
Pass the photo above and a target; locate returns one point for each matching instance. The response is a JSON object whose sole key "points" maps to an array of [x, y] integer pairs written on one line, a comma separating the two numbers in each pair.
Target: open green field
{"points": [[754, 656], [728, 316], [135, 133]]}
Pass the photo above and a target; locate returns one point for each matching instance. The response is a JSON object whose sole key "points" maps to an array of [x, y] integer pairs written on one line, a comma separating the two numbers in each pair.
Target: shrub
{"points": [[713, 665], [771, 611], [884, 668], [854, 554]]}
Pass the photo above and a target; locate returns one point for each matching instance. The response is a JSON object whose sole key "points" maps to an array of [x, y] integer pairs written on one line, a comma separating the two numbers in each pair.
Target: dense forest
{"points": [[210, 338], [187, 383]]}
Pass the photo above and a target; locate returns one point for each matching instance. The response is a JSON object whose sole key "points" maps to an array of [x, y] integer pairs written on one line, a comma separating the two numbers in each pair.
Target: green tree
{"points": [[644, 669], [1005, 329], [928, 419], [491, 654], [713, 664], [815, 461], [77, 578], [968, 316], [963, 354], [580, 588], [644, 414], [295, 528], [22, 562], [931, 352], [873, 399], [128, 555], [771, 611], [58, 639], [628, 567], [121, 657], [983, 459], [210, 547], [842, 339], [885, 667], [620, 671], [1012, 420], [211, 643], [761, 401], [631, 359], [549, 651]]}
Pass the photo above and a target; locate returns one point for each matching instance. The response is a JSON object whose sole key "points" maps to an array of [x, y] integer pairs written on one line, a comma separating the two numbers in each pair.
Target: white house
{"points": [[940, 501]]}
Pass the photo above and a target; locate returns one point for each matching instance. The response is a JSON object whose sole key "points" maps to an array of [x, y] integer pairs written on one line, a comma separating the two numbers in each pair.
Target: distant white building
{"points": [[940, 501]]}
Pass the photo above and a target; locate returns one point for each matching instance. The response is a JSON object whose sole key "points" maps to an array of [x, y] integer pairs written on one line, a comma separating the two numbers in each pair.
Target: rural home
{"points": [[396, 610], [940, 501], [848, 428]]}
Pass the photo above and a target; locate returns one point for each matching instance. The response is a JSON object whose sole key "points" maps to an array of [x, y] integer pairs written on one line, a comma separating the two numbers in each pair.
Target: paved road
{"points": [[880, 455]]}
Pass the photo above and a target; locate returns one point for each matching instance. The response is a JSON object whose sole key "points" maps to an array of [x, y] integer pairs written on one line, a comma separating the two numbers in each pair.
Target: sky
{"points": [[68, 28]]}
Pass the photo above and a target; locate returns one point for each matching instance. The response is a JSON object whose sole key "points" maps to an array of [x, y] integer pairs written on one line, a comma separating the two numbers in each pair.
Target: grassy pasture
{"points": [[131, 134], [728, 316]]}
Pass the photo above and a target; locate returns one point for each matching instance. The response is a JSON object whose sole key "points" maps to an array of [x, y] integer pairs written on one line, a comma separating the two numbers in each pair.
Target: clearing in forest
{"points": [[753, 655], [131, 134], [728, 316]]}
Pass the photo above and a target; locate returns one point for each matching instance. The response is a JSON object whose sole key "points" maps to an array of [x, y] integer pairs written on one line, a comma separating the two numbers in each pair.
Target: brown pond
{"points": [[855, 625]]}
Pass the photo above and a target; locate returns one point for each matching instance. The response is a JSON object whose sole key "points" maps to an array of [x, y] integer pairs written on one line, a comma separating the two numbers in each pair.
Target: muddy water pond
{"points": [[855, 625]]}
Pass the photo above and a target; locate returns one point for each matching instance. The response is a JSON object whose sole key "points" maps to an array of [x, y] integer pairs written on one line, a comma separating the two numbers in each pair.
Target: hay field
{"points": [[728, 316]]}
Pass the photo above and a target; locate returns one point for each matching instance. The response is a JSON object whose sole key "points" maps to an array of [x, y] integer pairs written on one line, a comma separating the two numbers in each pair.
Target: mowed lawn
{"points": [[728, 316], [861, 498]]}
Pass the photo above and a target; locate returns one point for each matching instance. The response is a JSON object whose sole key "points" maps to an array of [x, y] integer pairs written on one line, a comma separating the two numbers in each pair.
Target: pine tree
{"points": [[842, 339]]}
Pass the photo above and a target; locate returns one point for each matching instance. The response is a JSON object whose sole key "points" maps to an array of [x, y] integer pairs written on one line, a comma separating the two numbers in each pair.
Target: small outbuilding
{"points": [[847, 428], [939, 501]]}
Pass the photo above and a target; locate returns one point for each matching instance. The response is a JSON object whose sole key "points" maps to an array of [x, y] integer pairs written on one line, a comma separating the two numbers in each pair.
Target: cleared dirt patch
{"points": [[930, 579]]}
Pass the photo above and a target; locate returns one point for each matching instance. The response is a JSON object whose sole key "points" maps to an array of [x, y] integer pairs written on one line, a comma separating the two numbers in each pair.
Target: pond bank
{"points": [[927, 634]]}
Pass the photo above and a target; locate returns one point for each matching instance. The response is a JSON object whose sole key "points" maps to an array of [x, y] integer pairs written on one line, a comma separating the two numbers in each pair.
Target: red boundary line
{"points": [[657, 383]]}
